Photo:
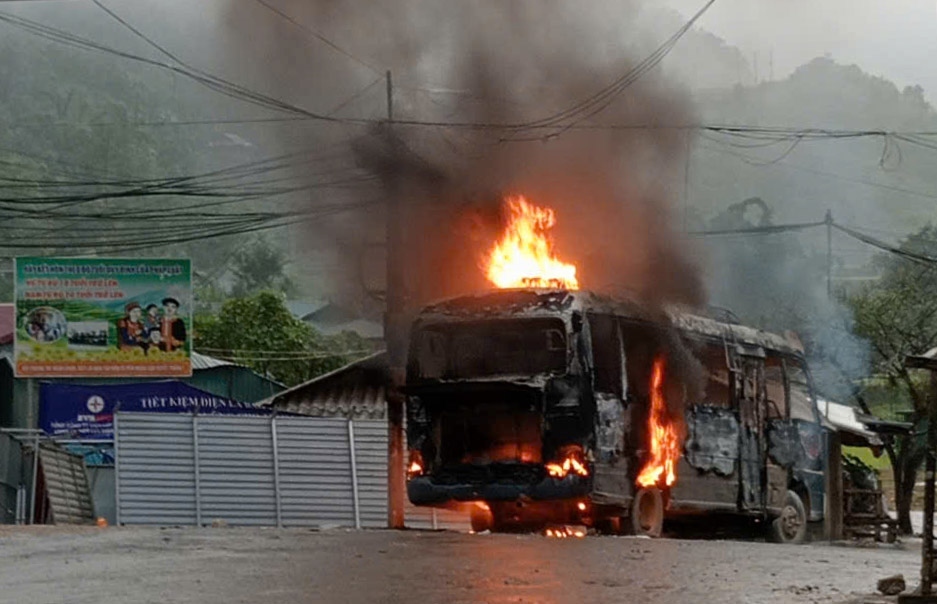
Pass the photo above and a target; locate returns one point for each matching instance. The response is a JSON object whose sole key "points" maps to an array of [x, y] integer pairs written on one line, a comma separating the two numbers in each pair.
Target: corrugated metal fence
{"points": [[179, 469]]}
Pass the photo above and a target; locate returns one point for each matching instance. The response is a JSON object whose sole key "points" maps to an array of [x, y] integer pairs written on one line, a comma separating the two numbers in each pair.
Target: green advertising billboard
{"points": [[95, 317]]}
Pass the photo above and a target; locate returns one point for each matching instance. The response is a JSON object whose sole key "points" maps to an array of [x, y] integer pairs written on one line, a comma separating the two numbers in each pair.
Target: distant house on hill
{"points": [[332, 319]]}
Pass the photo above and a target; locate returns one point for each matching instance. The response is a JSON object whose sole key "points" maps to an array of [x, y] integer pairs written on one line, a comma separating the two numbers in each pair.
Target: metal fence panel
{"points": [[315, 472], [155, 469], [283, 471], [371, 458], [236, 482]]}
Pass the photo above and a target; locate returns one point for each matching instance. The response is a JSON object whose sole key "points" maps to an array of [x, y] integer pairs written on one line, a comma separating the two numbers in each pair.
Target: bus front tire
{"points": [[647, 512], [791, 525]]}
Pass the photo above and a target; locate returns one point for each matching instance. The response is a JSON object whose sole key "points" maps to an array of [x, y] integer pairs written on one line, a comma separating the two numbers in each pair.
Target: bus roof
{"points": [[536, 302]]}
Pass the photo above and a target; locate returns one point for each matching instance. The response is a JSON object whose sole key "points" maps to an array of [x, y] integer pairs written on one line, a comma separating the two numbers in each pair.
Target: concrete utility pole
{"points": [[686, 183], [829, 254], [395, 336]]}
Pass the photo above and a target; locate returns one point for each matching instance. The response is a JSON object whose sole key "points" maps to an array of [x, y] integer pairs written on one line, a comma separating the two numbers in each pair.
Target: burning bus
{"points": [[543, 404]]}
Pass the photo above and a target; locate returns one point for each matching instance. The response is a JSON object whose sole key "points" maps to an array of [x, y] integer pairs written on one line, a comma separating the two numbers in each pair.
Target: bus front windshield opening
{"points": [[476, 349]]}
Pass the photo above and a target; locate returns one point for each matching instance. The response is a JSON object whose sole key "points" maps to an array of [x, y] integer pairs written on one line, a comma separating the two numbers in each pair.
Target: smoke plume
{"points": [[485, 64]]}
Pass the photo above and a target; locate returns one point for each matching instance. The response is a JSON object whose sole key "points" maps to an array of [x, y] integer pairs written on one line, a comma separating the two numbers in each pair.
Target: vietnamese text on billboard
{"points": [[103, 317]]}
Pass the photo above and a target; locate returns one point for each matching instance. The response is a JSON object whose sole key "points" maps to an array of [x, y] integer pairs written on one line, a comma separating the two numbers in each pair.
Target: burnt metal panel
{"points": [[777, 486], [796, 444], [712, 443], [749, 394], [698, 490], [784, 446], [750, 464], [610, 428], [612, 479]]}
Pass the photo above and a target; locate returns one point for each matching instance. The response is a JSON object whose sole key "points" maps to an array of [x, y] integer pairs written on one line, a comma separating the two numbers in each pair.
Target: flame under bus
{"points": [[536, 404]]}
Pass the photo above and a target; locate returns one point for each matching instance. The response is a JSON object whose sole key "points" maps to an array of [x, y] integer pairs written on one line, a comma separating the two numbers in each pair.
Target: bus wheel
{"points": [[791, 525], [647, 512], [482, 519]]}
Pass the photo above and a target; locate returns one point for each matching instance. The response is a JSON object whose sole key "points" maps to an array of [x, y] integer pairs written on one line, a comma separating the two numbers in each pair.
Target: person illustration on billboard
{"points": [[151, 327], [172, 329], [130, 333]]}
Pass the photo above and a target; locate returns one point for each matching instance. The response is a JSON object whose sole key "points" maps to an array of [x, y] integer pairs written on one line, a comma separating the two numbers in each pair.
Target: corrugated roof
{"points": [[7, 323], [201, 361], [355, 390], [928, 360], [844, 419], [302, 309]]}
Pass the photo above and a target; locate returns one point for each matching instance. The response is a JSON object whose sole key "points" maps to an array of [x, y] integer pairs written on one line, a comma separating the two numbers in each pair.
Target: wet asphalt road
{"points": [[228, 565]]}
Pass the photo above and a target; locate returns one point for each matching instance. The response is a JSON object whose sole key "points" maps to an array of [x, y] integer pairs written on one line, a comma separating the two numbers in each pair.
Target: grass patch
{"points": [[865, 454]]}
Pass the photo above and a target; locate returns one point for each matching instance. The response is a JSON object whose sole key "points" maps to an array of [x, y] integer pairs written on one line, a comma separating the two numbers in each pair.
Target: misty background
{"points": [[303, 200]]}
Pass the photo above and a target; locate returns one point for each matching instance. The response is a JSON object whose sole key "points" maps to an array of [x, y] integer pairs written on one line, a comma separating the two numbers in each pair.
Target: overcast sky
{"points": [[893, 38]]}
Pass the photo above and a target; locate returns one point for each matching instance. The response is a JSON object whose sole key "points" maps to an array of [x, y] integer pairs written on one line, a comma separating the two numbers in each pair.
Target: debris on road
{"points": [[892, 586]]}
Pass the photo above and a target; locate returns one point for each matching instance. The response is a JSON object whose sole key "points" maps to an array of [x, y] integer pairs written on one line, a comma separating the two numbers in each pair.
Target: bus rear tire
{"points": [[647, 512], [791, 525], [482, 519]]}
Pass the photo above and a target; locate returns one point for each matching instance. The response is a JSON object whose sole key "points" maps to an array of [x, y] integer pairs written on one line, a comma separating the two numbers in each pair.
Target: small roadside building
{"points": [[331, 319], [856, 505]]}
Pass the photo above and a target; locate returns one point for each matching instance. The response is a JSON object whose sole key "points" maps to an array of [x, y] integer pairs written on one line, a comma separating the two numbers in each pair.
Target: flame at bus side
{"points": [[524, 256], [660, 469]]}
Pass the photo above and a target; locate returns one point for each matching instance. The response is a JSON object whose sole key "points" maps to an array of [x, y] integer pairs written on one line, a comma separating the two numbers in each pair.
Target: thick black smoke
{"points": [[490, 63]]}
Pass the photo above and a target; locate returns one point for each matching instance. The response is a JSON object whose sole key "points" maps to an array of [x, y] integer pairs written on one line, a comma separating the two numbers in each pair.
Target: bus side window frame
{"points": [[609, 374], [705, 351], [785, 407], [808, 384]]}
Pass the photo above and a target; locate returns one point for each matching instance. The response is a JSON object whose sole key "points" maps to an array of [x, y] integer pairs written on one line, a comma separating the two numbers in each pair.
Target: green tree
{"points": [[898, 316], [260, 266], [260, 332]]}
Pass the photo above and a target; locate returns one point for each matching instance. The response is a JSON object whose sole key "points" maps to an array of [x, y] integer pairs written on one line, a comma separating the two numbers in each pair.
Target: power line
{"points": [[851, 232], [758, 230], [771, 134], [602, 99], [245, 94], [206, 79], [319, 36], [833, 175], [264, 354], [139, 33], [878, 243]]}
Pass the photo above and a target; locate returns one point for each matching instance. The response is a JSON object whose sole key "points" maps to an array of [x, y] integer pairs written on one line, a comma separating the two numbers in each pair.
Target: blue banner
{"points": [[87, 412]]}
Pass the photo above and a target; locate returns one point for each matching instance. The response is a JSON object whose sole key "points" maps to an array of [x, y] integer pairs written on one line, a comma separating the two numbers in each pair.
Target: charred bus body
{"points": [[534, 406]]}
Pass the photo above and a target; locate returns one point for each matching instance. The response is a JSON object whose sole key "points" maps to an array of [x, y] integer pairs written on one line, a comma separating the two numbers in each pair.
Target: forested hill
{"points": [[886, 180]]}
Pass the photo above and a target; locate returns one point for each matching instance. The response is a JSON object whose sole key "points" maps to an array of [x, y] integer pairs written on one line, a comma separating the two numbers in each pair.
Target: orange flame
{"points": [[569, 465], [524, 256], [665, 442], [415, 468], [564, 532]]}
